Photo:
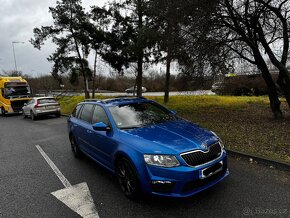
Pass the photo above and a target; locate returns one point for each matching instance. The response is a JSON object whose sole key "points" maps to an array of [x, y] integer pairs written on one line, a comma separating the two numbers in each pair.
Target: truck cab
{"points": [[14, 93]]}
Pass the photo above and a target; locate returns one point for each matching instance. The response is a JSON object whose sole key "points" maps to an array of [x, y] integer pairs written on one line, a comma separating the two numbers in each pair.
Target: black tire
{"points": [[128, 179], [75, 148], [32, 115]]}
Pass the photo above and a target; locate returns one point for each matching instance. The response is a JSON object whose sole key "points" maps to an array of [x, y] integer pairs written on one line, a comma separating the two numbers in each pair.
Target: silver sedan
{"points": [[41, 106]]}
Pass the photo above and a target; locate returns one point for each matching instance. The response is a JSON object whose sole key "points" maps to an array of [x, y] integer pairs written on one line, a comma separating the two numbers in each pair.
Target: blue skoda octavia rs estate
{"points": [[147, 147]]}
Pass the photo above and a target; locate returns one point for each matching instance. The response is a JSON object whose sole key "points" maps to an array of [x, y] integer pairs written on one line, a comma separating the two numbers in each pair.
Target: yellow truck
{"points": [[14, 93]]}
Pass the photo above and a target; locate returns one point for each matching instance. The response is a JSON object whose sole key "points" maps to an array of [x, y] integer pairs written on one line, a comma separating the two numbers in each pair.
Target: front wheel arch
{"points": [[121, 155]]}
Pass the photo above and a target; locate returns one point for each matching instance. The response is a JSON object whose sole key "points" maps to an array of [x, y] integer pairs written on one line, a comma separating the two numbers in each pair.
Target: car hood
{"points": [[178, 135]]}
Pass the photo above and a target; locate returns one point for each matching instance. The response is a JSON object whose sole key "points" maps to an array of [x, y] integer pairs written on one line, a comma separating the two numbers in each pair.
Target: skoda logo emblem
{"points": [[204, 146]]}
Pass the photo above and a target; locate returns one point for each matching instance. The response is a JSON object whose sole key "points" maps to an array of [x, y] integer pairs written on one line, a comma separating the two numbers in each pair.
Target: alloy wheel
{"points": [[127, 179]]}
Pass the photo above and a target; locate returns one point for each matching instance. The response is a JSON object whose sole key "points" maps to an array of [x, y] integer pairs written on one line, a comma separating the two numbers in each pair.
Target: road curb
{"points": [[259, 159]]}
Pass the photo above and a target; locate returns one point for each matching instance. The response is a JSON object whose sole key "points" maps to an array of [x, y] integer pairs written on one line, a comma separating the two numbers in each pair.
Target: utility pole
{"points": [[14, 42]]}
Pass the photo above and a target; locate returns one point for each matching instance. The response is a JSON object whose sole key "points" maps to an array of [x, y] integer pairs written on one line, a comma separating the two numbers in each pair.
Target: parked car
{"points": [[39, 106], [132, 90], [149, 148], [217, 87]]}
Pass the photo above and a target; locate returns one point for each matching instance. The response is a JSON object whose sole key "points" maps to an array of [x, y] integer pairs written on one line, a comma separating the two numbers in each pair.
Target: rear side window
{"points": [[100, 115], [76, 111], [86, 114], [46, 101]]}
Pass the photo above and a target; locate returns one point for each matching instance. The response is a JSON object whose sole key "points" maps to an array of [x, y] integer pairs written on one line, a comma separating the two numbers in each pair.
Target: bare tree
{"points": [[273, 31], [246, 26]]}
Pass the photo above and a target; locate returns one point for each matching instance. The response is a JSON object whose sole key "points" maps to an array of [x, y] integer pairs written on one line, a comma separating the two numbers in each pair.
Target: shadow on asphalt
{"points": [[44, 117], [10, 115]]}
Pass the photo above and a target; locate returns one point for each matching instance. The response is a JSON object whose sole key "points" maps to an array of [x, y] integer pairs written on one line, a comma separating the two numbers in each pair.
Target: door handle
{"points": [[89, 131]]}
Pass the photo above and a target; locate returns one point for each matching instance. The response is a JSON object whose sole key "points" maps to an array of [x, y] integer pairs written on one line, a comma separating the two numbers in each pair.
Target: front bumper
{"points": [[40, 112], [183, 181]]}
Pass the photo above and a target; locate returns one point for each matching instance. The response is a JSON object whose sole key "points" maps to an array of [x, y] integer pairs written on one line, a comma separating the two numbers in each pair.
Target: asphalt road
{"points": [[26, 181]]}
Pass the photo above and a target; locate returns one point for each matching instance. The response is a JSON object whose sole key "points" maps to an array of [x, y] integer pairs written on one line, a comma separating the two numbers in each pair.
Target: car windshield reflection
{"points": [[137, 115]]}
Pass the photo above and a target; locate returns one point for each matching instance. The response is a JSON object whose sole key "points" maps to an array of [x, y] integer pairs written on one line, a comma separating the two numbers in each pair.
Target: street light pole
{"points": [[14, 54]]}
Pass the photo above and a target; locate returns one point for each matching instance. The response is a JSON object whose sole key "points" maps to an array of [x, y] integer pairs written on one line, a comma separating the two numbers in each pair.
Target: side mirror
{"points": [[173, 112], [101, 127], [25, 104]]}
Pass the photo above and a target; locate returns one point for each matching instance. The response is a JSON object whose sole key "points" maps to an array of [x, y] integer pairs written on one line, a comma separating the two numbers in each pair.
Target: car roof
{"points": [[117, 101], [47, 97]]}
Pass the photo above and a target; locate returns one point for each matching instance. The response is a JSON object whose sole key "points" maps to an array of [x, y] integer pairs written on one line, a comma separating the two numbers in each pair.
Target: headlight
{"points": [[222, 144], [161, 160], [220, 141]]}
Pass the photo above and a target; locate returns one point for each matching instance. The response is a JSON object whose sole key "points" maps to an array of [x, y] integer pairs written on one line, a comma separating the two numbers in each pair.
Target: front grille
{"points": [[197, 158], [17, 105]]}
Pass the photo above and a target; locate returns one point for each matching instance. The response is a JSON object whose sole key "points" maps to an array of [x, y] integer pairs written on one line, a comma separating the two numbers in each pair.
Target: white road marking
{"points": [[57, 172], [77, 197]]}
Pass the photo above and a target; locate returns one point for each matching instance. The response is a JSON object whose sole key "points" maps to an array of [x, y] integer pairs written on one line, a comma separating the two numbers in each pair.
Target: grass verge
{"points": [[244, 123]]}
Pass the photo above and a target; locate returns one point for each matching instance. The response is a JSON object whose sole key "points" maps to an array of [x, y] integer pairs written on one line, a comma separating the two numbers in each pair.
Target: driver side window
{"points": [[100, 115]]}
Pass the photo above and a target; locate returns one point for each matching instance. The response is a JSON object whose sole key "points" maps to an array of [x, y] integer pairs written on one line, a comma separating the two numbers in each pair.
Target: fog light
{"points": [[161, 186], [154, 182]]}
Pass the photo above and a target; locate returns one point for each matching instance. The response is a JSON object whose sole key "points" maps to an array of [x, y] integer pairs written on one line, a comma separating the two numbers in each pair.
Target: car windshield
{"points": [[46, 101], [16, 91], [137, 115]]}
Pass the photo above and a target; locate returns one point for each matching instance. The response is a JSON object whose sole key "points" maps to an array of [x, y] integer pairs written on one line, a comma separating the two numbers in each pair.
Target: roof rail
{"points": [[128, 96], [110, 100], [93, 100]]}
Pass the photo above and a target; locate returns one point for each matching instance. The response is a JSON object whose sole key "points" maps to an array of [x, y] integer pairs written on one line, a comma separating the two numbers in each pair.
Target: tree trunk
{"points": [[273, 96], [284, 81], [281, 65], [87, 93], [139, 77], [167, 77], [140, 50], [168, 61], [94, 77], [135, 86], [272, 89], [284, 87]]}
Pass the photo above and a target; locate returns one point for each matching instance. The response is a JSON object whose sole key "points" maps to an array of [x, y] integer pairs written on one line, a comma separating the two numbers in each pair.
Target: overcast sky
{"points": [[18, 18]]}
